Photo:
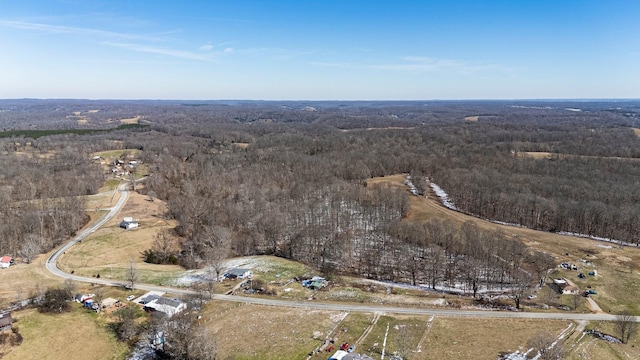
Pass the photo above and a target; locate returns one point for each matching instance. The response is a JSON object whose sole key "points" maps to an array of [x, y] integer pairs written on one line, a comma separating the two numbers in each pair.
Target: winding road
{"points": [[51, 265]]}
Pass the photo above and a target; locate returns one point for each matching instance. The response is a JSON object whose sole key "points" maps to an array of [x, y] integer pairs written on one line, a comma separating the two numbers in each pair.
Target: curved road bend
{"points": [[52, 266], [51, 263]]}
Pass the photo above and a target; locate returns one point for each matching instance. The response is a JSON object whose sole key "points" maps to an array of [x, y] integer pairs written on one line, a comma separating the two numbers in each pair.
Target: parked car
{"points": [[131, 297]]}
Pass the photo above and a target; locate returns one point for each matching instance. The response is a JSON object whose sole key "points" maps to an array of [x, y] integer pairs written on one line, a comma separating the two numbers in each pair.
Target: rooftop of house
{"points": [[237, 271]]}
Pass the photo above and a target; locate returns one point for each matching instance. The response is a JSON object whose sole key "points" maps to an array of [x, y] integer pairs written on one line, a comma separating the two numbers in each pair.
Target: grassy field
{"points": [[70, 336], [107, 251], [267, 332]]}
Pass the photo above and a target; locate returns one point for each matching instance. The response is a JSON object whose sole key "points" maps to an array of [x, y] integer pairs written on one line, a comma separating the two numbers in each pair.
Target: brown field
{"points": [[133, 120], [471, 118], [70, 336], [280, 333], [636, 131], [550, 155], [241, 145], [268, 332], [379, 128]]}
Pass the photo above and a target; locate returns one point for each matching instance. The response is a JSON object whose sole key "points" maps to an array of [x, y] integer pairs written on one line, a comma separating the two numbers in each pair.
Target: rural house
{"points": [[165, 305], [238, 273], [566, 286], [6, 261], [5, 321]]}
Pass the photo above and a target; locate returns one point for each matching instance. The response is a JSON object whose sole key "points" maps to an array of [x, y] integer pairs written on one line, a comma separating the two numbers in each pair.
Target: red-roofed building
{"points": [[5, 261]]}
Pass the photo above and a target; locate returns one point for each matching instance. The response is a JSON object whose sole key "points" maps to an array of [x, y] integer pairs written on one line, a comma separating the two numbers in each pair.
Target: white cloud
{"points": [[228, 50], [420, 64], [161, 51], [330, 64], [206, 47], [60, 29]]}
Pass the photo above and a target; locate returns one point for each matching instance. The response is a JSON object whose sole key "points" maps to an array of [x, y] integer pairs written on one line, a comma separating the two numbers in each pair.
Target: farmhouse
{"points": [[164, 305], [5, 321], [566, 286], [6, 261], [238, 273]]}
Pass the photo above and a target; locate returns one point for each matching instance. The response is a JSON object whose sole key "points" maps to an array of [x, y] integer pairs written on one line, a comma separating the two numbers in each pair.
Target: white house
{"points": [[566, 286], [238, 273], [128, 223], [165, 305]]}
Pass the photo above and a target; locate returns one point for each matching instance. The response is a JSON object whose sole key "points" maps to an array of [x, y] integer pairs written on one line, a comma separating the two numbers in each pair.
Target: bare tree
{"points": [[546, 347], [626, 326], [164, 249], [541, 262], [70, 287], [132, 274], [186, 339], [99, 294], [126, 327], [577, 300], [520, 287], [31, 247]]}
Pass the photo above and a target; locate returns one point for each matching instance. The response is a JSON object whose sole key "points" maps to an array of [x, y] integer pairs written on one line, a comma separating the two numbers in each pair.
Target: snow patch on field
{"points": [[254, 263], [444, 197]]}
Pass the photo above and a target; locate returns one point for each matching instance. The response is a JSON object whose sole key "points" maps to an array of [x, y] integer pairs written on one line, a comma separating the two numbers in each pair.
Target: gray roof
{"points": [[237, 271], [169, 302]]}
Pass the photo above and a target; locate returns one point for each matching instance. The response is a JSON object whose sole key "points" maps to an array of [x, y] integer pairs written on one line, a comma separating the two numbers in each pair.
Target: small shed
{"points": [[128, 224], [6, 261], [109, 302], [5, 321]]}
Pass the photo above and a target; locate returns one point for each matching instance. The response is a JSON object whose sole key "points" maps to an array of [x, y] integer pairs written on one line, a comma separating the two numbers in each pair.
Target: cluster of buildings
{"points": [[151, 302]]}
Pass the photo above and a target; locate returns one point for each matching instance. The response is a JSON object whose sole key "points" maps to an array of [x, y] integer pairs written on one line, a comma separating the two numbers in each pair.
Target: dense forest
{"points": [[289, 179]]}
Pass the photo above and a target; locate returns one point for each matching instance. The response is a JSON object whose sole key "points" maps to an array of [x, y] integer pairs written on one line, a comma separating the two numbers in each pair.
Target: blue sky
{"points": [[319, 50]]}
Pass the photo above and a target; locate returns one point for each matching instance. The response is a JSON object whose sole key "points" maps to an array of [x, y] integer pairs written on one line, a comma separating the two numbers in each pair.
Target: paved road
{"points": [[51, 263], [53, 268]]}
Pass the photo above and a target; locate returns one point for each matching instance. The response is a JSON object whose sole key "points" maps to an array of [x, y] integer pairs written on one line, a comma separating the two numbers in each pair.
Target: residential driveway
{"points": [[593, 306]]}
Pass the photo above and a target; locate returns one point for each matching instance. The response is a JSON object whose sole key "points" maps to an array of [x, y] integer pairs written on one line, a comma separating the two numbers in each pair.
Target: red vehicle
{"points": [[344, 346], [330, 348]]}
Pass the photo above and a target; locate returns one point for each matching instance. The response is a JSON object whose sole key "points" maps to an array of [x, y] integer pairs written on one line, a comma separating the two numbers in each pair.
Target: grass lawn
{"points": [[268, 332], [74, 335]]}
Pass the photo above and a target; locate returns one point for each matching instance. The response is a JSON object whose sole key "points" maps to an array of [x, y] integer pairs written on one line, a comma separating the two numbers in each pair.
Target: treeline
{"points": [[305, 200], [289, 179], [40, 205]]}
